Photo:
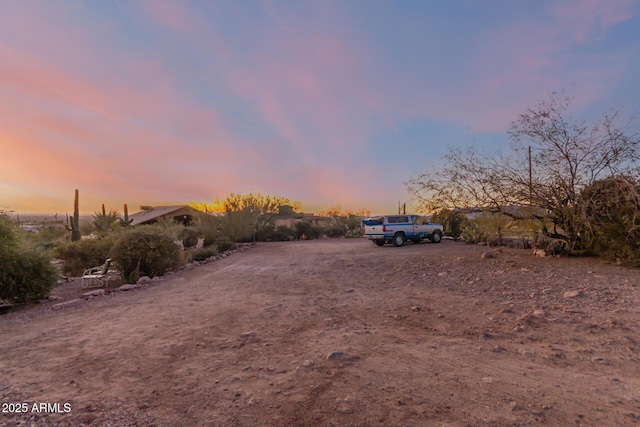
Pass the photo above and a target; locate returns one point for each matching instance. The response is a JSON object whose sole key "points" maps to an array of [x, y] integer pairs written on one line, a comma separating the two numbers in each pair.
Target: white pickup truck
{"points": [[397, 229]]}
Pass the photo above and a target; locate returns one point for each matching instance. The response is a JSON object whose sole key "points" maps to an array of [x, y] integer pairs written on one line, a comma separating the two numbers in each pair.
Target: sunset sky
{"points": [[331, 103]]}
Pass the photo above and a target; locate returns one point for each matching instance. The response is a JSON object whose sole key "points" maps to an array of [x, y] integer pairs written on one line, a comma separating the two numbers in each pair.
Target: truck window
{"points": [[373, 221]]}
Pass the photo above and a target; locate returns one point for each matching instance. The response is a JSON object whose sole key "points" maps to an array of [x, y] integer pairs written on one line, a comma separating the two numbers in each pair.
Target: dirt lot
{"points": [[339, 333]]}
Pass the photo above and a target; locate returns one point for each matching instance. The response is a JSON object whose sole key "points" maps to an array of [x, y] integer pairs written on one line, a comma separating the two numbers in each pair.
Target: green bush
{"points": [[334, 230], [209, 228], [474, 233], [287, 233], [189, 236], [26, 273], [165, 226], [202, 253], [307, 230], [83, 254], [453, 222], [271, 233], [610, 214], [146, 252], [224, 244]]}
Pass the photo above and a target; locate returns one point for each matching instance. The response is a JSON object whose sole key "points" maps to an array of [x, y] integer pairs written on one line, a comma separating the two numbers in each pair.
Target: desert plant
{"points": [[201, 254], [208, 228], [473, 233], [224, 244], [243, 216], [166, 226], [189, 236], [125, 221], [87, 253], [453, 222], [334, 230], [271, 233], [306, 230], [611, 210], [73, 225], [552, 159], [103, 221], [26, 273], [146, 252]]}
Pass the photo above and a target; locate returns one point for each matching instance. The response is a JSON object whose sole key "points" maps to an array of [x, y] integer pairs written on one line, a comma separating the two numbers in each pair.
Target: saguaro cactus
{"points": [[127, 221], [103, 218], [75, 220]]}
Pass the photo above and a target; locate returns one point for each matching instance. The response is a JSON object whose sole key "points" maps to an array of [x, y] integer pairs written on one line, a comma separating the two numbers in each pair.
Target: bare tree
{"points": [[567, 156]]}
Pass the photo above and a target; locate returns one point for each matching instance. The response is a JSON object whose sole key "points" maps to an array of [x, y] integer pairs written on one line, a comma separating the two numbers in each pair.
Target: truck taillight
{"points": [[384, 228]]}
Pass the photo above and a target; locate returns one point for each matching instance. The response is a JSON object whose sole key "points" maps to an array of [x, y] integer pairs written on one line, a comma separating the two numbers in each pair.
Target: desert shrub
{"points": [[612, 224], [26, 275], [474, 233], [488, 227], [83, 254], [209, 228], [307, 230], [165, 226], [267, 233], [272, 233], [201, 254], [26, 272], [189, 236], [334, 230], [453, 222], [50, 235], [146, 252], [224, 244]]}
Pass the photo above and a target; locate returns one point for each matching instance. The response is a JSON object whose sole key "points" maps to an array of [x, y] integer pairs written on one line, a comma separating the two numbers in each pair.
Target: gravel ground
{"points": [[336, 332]]}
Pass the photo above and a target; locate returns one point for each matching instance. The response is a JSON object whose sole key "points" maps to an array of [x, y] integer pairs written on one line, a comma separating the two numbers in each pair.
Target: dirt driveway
{"points": [[339, 333]]}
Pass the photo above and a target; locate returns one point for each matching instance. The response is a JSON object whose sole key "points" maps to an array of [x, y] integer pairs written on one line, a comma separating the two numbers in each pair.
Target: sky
{"points": [[329, 103]]}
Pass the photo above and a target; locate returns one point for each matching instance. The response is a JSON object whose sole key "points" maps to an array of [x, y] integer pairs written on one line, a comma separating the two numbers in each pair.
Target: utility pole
{"points": [[530, 182], [531, 193]]}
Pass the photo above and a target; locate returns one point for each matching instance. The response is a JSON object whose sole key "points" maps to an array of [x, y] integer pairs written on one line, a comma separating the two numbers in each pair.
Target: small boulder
{"points": [[487, 254], [571, 294], [143, 280], [339, 355], [127, 287]]}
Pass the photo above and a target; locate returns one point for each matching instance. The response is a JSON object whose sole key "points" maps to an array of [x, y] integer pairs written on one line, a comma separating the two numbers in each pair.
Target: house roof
{"points": [[154, 213]]}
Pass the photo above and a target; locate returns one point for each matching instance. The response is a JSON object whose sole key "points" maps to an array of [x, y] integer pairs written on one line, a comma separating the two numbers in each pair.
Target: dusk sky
{"points": [[330, 103]]}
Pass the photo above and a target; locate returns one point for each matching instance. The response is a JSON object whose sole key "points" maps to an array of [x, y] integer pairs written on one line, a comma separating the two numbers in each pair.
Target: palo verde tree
{"points": [[551, 160], [243, 215]]}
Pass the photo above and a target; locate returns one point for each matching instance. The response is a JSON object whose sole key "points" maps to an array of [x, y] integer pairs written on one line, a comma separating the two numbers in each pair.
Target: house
{"points": [[150, 214]]}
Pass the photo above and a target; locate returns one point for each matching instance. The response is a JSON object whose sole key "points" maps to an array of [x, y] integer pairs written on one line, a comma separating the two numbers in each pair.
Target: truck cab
{"points": [[397, 229]]}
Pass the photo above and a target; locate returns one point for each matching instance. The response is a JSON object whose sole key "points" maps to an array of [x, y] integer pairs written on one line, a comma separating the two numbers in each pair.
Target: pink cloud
{"points": [[585, 17], [174, 15], [516, 65]]}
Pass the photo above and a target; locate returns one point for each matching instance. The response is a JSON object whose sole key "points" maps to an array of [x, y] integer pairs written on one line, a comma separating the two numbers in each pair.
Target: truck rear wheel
{"points": [[436, 237], [379, 242], [398, 239]]}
